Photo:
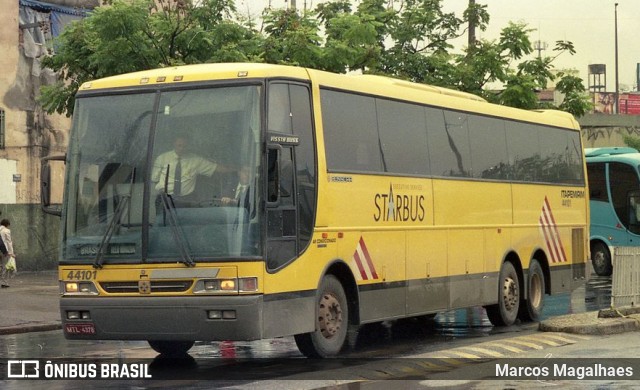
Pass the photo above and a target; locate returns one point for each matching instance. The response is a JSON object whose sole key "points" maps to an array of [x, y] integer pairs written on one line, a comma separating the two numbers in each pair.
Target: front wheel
{"points": [[532, 307], [171, 348], [505, 312], [332, 320], [601, 259]]}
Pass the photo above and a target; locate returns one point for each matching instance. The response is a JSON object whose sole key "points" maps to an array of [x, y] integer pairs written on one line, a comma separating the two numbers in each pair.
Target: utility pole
{"points": [[617, 96]]}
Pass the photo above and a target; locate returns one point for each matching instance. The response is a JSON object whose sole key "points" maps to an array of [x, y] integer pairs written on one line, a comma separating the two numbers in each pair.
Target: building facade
{"points": [[27, 133]]}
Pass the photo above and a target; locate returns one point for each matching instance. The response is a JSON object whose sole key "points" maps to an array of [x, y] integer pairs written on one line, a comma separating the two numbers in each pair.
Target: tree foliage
{"points": [[631, 141], [412, 40], [126, 36]]}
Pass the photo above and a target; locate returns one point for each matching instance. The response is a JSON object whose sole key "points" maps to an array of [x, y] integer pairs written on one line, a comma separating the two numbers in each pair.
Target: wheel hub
{"points": [[598, 259], [510, 294], [329, 316]]}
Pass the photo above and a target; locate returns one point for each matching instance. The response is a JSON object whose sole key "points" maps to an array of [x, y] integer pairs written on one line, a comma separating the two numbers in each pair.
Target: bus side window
{"points": [[279, 110], [622, 179]]}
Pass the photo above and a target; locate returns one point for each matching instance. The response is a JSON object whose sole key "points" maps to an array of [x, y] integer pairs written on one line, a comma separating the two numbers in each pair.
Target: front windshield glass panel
{"points": [[205, 160], [107, 154], [200, 187]]}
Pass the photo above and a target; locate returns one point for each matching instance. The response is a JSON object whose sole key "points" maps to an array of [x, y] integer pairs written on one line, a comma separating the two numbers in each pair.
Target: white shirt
{"points": [[191, 165], [5, 234]]}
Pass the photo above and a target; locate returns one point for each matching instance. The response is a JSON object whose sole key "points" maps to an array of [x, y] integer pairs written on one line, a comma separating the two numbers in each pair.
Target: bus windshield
{"points": [[164, 177]]}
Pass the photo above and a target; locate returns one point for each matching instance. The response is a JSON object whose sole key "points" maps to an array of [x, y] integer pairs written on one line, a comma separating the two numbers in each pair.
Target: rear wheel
{"points": [[171, 348], [531, 308], [505, 312], [601, 259], [331, 322]]}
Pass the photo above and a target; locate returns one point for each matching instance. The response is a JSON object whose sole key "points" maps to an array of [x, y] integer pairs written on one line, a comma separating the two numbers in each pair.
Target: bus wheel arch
{"points": [[336, 309], [505, 312], [601, 258]]}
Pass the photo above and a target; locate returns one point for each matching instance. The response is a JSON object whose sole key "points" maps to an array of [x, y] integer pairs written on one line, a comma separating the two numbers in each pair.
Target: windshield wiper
{"points": [[170, 212], [114, 223]]}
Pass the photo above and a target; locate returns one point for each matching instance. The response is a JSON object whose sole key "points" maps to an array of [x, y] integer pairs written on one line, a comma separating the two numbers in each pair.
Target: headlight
{"points": [[79, 288], [230, 285]]}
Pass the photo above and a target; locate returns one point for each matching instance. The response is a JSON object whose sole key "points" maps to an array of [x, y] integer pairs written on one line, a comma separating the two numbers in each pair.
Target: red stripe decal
{"points": [[365, 251], [356, 257]]}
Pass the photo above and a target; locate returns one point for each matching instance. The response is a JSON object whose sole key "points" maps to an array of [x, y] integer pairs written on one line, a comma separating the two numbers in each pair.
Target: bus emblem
{"points": [[549, 230], [362, 261], [144, 286]]}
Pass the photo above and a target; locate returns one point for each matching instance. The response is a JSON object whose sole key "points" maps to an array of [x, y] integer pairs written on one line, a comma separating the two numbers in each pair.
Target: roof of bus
{"points": [[366, 84], [620, 154]]}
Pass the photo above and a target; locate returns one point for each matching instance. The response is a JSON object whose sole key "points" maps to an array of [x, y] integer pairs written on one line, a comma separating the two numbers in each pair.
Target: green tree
{"points": [[291, 38], [127, 36], [409, 40], [576, 99], [632, 142]]}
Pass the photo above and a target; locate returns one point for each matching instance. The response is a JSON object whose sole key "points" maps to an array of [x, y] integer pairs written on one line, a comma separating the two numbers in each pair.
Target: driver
{"points": [[182, 167]]}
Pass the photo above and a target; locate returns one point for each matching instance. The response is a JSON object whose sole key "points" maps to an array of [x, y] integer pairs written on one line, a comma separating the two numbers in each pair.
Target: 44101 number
{"points": [[81, 275]]}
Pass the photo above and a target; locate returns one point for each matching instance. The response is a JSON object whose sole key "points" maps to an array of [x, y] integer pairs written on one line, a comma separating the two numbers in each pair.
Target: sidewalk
{"points": [[31, 304], [606, 321]]}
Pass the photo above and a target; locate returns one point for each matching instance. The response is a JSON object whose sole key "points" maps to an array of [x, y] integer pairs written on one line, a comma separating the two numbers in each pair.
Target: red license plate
{"points": [[80, 329]]}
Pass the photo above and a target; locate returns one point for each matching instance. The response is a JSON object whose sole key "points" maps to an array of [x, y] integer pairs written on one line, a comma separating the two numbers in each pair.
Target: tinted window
{"points": [[403, 137], [350, 132], [488, 148], [556, 155], [523, 149], [448, 143], [622, 179], [597, 182], [305, 161], [575, 165], [279, 118]]}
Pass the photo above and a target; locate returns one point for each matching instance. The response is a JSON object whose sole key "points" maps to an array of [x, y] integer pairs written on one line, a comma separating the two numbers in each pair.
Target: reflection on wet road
{"points": [[421, 335], [391, 338]]}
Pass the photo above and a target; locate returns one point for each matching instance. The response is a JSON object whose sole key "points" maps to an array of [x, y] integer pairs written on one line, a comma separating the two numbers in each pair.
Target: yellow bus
{"points": [[363, 199]]}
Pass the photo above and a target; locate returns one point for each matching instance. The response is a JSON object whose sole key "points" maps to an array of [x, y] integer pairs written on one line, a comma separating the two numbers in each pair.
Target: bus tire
{"points": [[171, 348], [601, 259], [332, 320], [531, 308], [505, 312]]}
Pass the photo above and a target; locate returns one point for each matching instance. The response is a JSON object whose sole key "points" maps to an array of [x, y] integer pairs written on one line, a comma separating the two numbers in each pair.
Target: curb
{"points": [[618, 312], [603, 322], [29, 328]]}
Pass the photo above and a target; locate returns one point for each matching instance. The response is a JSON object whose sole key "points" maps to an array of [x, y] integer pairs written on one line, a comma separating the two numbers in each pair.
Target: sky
{"points": [[589, 24]]}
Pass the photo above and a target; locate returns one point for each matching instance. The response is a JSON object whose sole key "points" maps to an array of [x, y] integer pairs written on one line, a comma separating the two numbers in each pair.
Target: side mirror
{"points": [[50, 206]]}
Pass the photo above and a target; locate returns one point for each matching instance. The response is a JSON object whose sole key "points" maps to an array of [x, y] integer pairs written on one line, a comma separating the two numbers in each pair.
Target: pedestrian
{"points": [[5, 235]]}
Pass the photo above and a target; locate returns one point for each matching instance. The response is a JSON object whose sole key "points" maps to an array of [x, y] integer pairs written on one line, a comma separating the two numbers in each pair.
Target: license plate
{"points": [[80, 328]]}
